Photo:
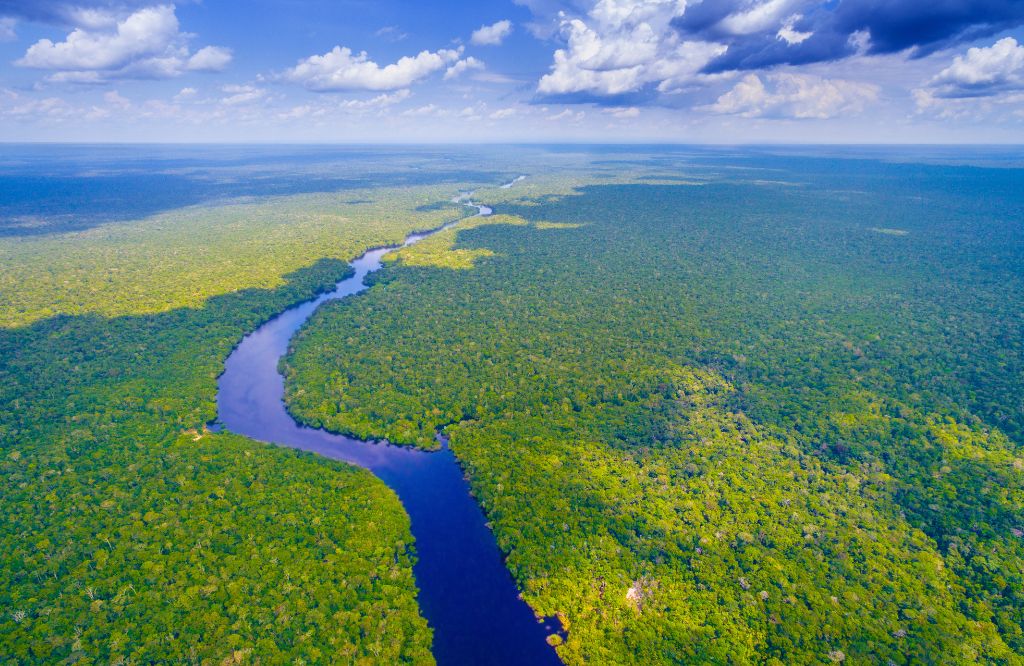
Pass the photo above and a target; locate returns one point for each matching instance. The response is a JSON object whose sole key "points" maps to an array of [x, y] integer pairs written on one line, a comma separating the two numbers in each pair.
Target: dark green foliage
{"points": [[130, 534], [746, 421], [202, 551]]}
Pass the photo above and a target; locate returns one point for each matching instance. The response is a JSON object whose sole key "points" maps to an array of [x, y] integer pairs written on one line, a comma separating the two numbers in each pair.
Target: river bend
{"points": [[465, 591]]}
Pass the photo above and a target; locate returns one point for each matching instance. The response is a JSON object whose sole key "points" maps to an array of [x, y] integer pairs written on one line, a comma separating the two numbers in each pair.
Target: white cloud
{"points": [[93, 18], [491, 35], [78, 77], [795, 96], [983, 83], [860, 40], [380, 101], [473, 112], [302, 111], [241, 94], [115, 99], [341, 69], [485, 76], [681, 66], [331, 108], [961, 108], [461, 66], [114, 102], [982, 71], [147, 33], [791, 35], [15, 106], [622, 46], [145, 44], [746, 98], [426, 110], [209, 59], [623, 111], [566, 114], [503, 113], [350, 107], [756, 19], [186, 93], [391, 33]]}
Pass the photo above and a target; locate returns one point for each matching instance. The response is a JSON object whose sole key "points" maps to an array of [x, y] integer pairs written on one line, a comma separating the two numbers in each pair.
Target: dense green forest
{"points": [[183, 257], [130, 534], [772, 415], [733, 408]]}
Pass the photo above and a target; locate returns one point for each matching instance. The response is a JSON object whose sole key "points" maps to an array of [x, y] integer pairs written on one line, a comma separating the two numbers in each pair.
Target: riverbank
{"points": [[466, 593]]}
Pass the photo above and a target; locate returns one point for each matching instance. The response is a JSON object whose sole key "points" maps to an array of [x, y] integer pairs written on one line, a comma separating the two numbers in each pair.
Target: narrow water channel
{"points": [[466, 593]]}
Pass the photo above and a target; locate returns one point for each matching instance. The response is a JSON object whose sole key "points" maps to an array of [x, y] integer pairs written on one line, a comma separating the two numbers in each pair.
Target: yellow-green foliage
{"points": [[556, 225], [181, 258], [439, 250]]}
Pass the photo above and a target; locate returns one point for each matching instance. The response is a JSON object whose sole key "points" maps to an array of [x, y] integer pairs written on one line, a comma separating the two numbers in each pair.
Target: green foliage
{"points": [[204, 550], [130, 534], [181, 258], [727, 422]]}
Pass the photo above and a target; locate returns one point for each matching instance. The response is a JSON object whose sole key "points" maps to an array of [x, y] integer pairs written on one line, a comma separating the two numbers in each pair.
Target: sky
{"points": [[408, 71]]}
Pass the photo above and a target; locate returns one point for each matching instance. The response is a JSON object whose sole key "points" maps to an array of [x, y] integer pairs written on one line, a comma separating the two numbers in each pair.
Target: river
{"points": [[465, 592]]}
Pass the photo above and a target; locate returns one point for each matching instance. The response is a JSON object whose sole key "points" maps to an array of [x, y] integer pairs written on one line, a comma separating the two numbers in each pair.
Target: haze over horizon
{"points": [[731, 71]]}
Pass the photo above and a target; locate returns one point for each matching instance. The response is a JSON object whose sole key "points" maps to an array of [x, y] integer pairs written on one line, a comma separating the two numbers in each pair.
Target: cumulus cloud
{"points": [[982, 71], [342, 69], [462, 66], [147, 33], [491, 35], [984, 82], [794, 96], [763, 33], [623, 46], [209, 59], [147, 43], [760, 17]]}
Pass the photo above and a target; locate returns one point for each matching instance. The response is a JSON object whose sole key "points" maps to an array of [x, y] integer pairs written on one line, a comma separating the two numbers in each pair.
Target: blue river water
{"points": [[466, 593]]}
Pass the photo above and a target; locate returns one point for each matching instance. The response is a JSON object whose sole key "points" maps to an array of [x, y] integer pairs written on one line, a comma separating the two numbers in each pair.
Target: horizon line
{"points": [[666, 144]]}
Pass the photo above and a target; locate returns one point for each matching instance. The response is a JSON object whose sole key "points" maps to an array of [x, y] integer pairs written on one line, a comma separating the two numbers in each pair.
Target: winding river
{"points": [[466, 594]]}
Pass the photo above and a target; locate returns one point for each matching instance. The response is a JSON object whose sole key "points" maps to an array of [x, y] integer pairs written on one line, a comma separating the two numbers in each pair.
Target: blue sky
{"points": [[721, 71]]}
